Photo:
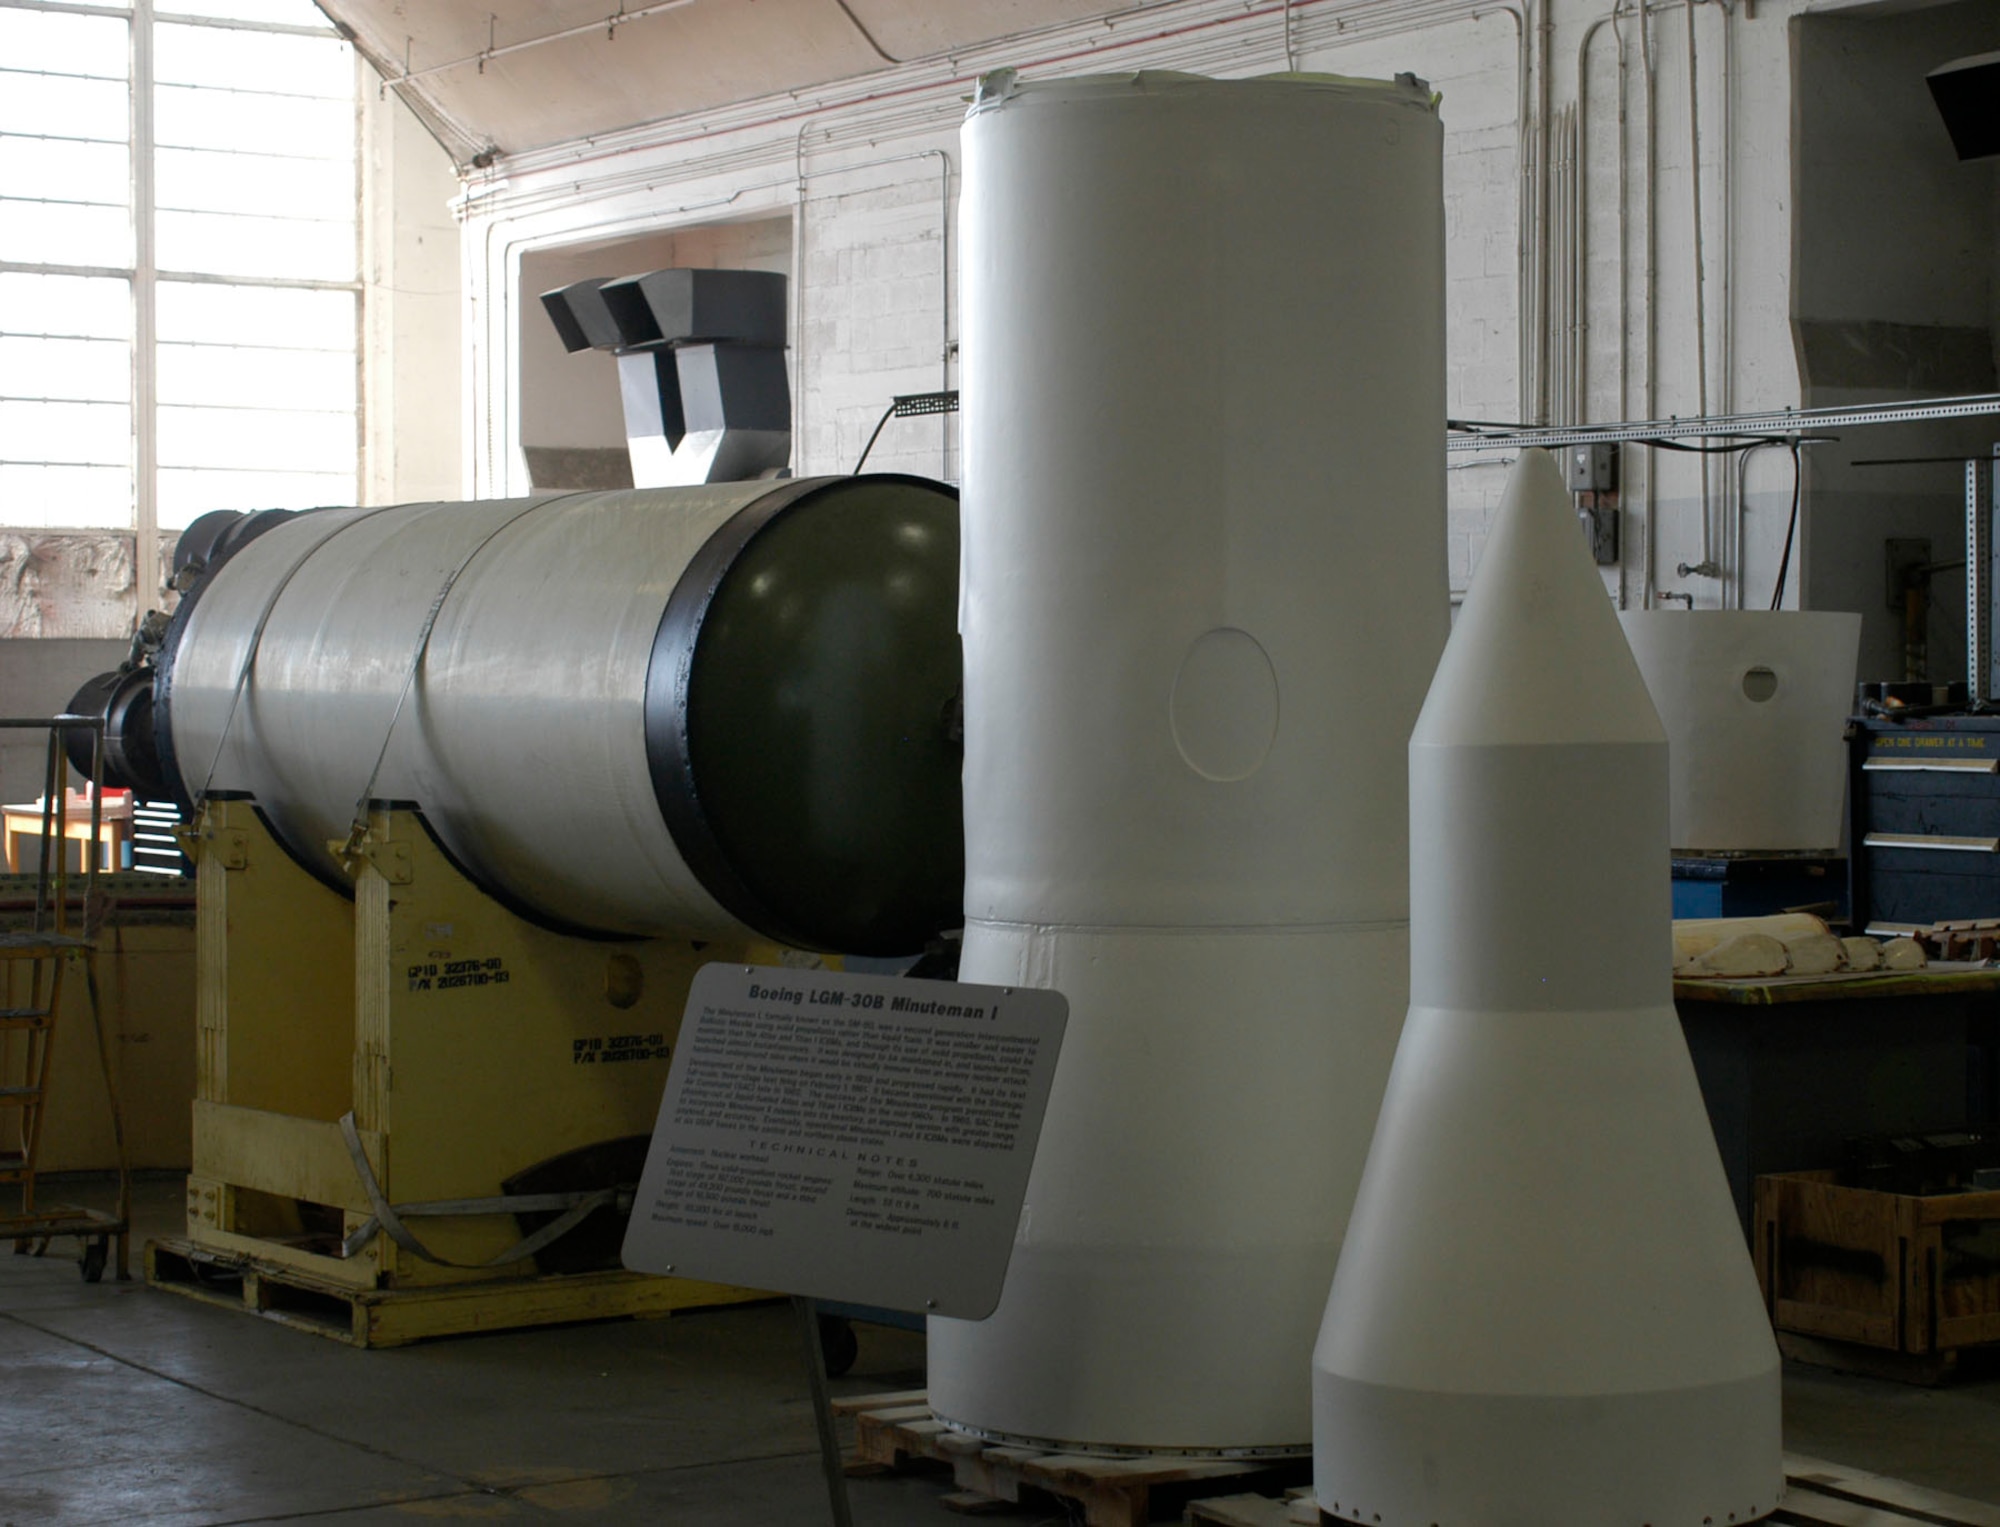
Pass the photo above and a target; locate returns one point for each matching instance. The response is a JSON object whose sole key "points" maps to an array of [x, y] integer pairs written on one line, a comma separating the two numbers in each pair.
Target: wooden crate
{"points": [[1889, 1272]]}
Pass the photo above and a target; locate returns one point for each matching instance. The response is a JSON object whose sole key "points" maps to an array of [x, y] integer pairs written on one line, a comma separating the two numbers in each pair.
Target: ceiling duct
{"points": [[701, 369], [1967, 92]]}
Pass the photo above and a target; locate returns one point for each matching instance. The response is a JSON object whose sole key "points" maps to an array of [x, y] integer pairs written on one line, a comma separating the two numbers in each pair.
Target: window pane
{"points": [[256, 315], [187, 117], [186, 494], [286, 13], [43, 233], [66, 498], [66, 108], [79, 306], [63, 171], [256, 439], [271, 61], [204, 181], [95, 370], [271, 378], [98, 434], [254, 246], [92, 45], [256, 385], [320, 380]]}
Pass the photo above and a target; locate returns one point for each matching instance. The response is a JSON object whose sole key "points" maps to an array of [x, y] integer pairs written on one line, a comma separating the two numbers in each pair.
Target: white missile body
{"points": [[1544, 1311], [1204, 589]]}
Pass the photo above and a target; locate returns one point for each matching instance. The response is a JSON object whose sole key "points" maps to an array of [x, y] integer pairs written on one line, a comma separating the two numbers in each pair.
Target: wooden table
{"points": [[25, 821], [1793, 1066]]}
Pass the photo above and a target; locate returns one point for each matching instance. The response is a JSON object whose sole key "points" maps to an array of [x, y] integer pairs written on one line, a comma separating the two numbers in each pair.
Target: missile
{"points": [[1543, 1311]]}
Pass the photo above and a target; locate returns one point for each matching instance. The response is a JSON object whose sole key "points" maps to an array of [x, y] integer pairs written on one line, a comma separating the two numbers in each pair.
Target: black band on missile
{"points": [[669, 682], [861, 851]]}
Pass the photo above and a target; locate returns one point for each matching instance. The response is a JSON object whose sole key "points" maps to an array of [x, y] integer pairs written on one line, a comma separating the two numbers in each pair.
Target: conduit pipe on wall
{"points": [[1615, 18], [1554, 268], [1624, 193], [1618, 10], [1726, 338], [1582, 353], [1707, 567], [1565, 280], [1728, 573], [1534, 240], [1545, 31], [1651, 501], [1531, 396]]}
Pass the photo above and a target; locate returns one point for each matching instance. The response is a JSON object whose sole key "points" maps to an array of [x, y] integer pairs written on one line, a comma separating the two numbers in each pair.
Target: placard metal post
{"points": [[807, 1311]]}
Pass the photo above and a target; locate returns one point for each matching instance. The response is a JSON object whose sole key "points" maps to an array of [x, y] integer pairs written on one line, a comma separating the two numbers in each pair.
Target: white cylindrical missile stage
{"points": [[688, 710], [1204, 588], [1545, 1312]]}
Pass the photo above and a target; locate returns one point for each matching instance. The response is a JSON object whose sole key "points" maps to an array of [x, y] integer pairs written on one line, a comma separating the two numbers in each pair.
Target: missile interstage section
{"points": [[693, 711]]}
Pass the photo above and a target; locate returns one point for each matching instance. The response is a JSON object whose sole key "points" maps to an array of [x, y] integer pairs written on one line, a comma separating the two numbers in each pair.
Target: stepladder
{"points": [[35, 964]]}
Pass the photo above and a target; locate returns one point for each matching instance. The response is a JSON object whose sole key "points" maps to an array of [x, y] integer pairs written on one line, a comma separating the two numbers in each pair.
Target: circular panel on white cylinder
{"points": [[1225, 705]]}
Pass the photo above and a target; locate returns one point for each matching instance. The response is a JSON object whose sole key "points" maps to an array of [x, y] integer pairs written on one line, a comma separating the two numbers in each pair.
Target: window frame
{"points": [[144, 275]]}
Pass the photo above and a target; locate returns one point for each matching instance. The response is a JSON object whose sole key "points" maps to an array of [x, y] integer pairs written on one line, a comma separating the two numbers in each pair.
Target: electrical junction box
{"points": [[1591, 468], [1600, 528]]}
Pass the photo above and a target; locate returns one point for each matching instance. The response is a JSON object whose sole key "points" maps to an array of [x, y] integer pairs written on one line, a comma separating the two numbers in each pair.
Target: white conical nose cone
{"points": [[1544, 1311], [1536, 655]]}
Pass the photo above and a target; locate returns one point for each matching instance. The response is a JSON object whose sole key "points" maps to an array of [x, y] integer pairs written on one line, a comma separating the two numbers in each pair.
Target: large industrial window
{"points": [[178, 302]]}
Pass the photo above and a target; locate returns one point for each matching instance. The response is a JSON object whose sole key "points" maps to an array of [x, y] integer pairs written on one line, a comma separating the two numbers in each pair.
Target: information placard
{"points": [[864, 1139]]}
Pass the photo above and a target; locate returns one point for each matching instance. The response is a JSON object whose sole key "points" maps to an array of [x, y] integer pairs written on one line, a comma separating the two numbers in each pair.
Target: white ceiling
{"points": [[695, 56]]}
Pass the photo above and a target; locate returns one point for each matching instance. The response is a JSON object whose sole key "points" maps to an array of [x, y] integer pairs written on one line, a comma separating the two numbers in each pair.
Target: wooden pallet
{"points": [[1294, 1509], [371, 1317], [1820, 1494], [1928, 1370], [1817, 1494], [898, 1432]]}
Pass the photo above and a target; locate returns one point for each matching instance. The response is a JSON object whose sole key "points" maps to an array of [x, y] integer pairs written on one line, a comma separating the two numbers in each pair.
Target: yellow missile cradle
{"points": [[464, 1042]]}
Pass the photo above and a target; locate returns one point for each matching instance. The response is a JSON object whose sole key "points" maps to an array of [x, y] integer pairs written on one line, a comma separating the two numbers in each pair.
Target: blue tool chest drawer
{"points": [[1925, 832]]}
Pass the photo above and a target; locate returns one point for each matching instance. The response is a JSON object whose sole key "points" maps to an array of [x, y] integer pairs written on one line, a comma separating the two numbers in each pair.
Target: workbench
{"points": [[1791, 1066]]}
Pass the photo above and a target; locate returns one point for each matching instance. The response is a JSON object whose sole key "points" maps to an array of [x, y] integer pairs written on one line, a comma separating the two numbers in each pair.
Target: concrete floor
{"points": [[123, 1405]]}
